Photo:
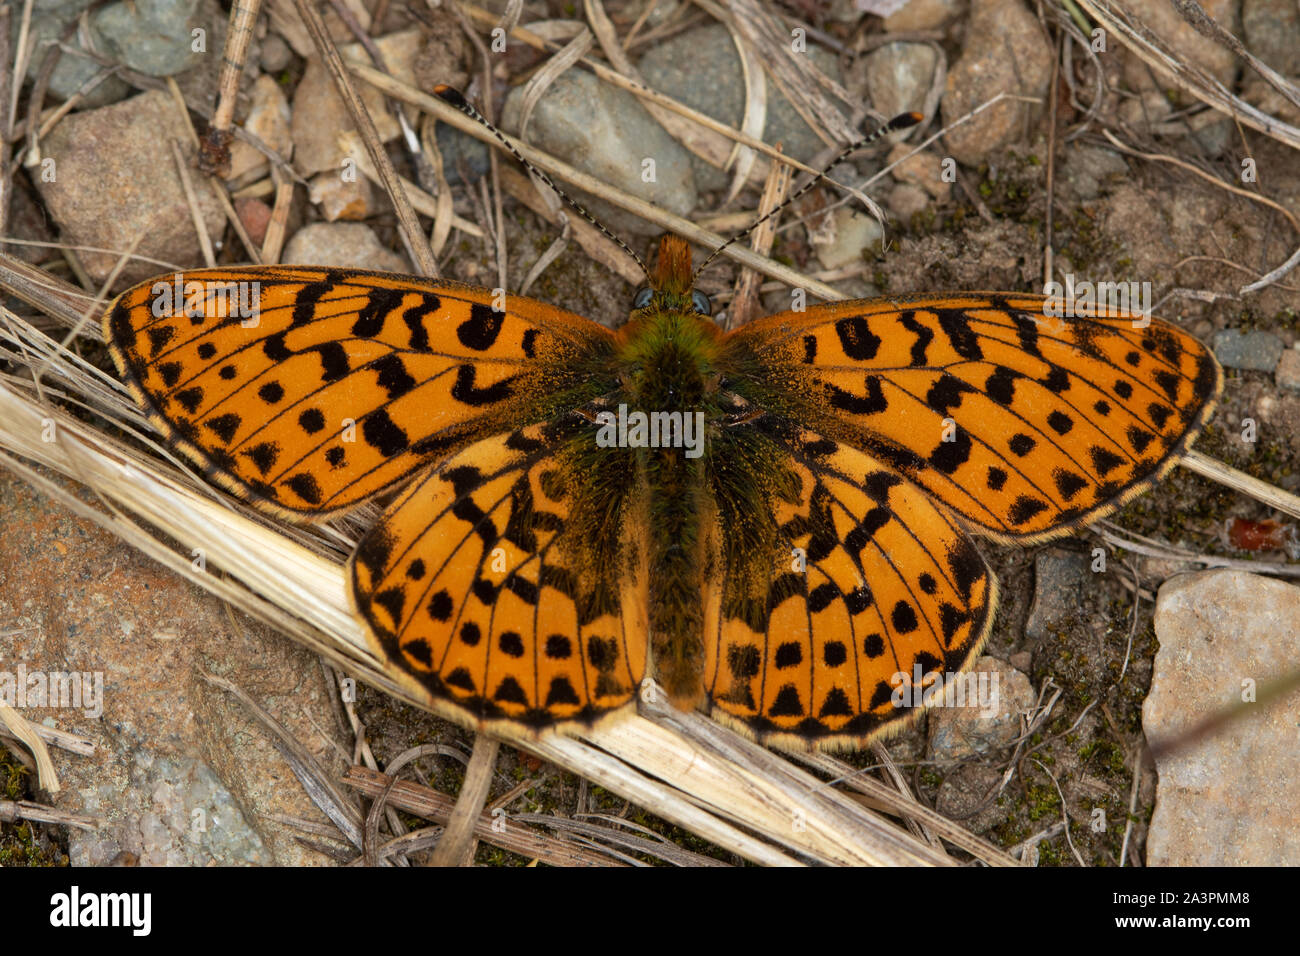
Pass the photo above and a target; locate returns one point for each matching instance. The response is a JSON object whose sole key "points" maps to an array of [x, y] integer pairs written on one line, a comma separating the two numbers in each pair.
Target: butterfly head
{"points": [[672, 285]]}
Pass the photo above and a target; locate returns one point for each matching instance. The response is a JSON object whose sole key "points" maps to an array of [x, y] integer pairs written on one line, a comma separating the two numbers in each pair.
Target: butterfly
{"points": [[778, 523]]}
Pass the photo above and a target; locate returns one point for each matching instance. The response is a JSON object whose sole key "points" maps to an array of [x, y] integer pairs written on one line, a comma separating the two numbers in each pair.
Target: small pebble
{"points": [[1257, 351], [1288, 370], [345, 245]]}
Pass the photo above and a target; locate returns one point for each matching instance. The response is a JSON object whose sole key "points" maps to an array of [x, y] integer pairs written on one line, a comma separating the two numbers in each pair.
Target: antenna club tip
{"points": [[904, 120], [449, 94]]}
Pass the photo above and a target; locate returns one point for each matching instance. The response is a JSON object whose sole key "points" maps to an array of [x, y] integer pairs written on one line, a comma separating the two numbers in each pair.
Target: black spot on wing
{"points": [[304, 307], [479, 332], [789, 654], [509, 692], [420, 650], [1024, 508], [1068, 483], [561, 692], [305, 487], [836, 704], [190, 398], [170, 373], [857, 340], [159, 336], [383, 434], [224, 426], [946, 393], [956, 325], [465, 391], [414, 318], [948, 456], [1001, 385], [392, 376], [380, 303], [872, 403], [743, 660], [787, 703], [924, 336], [1104, 460]]}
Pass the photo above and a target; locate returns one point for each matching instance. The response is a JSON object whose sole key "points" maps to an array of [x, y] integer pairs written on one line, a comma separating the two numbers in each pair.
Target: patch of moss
{"points": [[18, 843]]}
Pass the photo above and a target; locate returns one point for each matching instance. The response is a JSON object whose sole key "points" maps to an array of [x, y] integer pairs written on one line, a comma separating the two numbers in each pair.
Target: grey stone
{"points": [[1272, 31], [996, 694], [115, 180], [1006, 52], [1162, 19], [347, 245], [701, 68], [1287, 374], [1227, 796], [181, 774], [924, 15], [154, 36], [854, 231], [605, 131], [461, 152], [1061, 580], [1258, 350], [899, 75], [1087, 168], [71, 71]]}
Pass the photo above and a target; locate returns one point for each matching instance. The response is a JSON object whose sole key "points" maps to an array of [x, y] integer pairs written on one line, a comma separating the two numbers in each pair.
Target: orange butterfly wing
{"points": [[308, 390], [486, 589], [883, 580], [1025, 425]]}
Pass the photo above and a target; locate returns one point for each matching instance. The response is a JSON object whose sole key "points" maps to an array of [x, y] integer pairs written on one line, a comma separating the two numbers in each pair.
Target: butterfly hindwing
{"points": [[474, 586], [871, 579], [1025, 425], [309, 390]]}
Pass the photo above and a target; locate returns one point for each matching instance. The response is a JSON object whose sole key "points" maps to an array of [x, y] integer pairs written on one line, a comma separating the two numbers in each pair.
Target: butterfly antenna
{"points": [[901, 121], [452, 97]]}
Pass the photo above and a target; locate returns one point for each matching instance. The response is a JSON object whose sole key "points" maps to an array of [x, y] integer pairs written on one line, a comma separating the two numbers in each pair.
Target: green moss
{"points": [[18, 843]]}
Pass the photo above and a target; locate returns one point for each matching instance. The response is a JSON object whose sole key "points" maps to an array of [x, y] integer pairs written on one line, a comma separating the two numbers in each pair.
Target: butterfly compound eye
{"points": [[642, 298], [701, 303]]}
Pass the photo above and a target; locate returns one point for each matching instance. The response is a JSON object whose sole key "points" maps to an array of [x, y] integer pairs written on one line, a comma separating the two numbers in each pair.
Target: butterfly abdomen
{"points": [[670, 375]]}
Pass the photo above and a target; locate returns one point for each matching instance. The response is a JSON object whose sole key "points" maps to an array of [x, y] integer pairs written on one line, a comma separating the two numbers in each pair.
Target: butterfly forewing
{"points": [[1026, 425], [477, 583], [310, 390], [871, 580]]}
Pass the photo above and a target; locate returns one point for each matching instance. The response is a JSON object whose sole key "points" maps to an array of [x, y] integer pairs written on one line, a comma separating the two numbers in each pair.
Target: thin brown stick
{"points": [[614, 78], [586, 235], [412, 234], [239, 33], [214, 152], [273, 244], [445, 113], [14, 811], [1155, 53], [747, 285], [6, 80], [196, 214], [456, 848], [432, 805], [1230, 477], [1181, 164], [1048, 252]]}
